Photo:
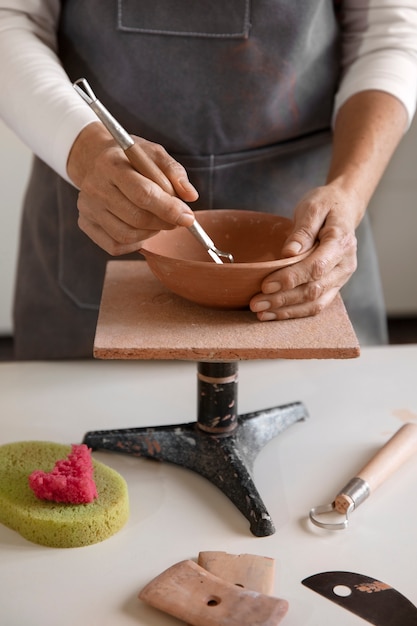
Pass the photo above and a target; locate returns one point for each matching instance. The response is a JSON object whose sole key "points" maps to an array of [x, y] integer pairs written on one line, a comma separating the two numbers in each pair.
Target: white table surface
{"points": [[354, 406]]}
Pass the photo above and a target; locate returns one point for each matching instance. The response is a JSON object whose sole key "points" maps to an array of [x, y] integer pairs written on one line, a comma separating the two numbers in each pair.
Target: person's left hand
{"points": [[327, 215]]}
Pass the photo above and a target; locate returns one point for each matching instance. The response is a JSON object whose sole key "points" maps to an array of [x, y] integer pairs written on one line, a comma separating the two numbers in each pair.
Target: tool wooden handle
{"points": [[145, 166], [190, 593], [397, 450], [401, 446], [248, 571]]}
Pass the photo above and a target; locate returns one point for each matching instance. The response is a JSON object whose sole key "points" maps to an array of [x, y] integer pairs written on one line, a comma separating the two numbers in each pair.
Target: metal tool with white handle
{"points": [[401, 446], [142, 163]]}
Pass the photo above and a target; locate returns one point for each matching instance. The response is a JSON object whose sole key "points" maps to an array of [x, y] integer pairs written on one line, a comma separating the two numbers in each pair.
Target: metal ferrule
{"points": [[357, 490]]}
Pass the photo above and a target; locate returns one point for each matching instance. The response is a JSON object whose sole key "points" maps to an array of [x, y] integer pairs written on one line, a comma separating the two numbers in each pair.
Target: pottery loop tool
{"points": [[142, 163], [216, 254], [401, 446]]}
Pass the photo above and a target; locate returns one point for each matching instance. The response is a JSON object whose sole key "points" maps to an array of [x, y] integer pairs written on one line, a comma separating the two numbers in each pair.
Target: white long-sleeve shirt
{"points": [[38, 102]]}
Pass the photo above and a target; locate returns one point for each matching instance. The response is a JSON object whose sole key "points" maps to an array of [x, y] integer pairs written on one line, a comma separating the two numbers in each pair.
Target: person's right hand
{"points": [[119, 207]]}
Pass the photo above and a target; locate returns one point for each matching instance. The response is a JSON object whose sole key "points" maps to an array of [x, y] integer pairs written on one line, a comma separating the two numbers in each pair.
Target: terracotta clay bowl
{"points": [[255, 239]]}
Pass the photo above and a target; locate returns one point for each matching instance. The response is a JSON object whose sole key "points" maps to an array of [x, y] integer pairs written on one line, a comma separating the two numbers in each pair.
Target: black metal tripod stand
{"points": [[221, 445]]}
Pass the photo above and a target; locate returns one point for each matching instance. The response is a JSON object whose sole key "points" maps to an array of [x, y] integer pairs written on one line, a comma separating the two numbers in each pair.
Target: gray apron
{"points": [[239, 92]]}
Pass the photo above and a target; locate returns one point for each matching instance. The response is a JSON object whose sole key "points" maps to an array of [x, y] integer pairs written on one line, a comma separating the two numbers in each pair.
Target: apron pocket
{"points": [[230, 19]]}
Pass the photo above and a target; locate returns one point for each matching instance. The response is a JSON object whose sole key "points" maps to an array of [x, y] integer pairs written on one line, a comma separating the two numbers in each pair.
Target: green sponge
{"points": [[55, 524]]}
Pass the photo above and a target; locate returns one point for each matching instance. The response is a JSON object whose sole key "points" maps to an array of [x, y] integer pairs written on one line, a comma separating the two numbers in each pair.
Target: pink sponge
{"points": [[71, 479]]}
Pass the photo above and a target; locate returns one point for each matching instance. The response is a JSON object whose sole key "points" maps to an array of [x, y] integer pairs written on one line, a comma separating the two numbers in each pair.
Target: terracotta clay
{"points": [[255, 240], [141, 319]]}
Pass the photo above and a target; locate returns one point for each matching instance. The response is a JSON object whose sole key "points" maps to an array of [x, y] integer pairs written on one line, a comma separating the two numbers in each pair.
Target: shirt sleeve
{"points": [[38, 101], [379, 50]]}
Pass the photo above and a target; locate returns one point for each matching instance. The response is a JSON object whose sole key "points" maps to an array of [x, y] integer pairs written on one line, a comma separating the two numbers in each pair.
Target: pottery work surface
{"points": [[141, 319], [255, 240]]}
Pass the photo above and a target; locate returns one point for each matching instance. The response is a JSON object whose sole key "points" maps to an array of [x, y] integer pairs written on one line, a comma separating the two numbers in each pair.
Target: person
{"points": [[289, 107]]}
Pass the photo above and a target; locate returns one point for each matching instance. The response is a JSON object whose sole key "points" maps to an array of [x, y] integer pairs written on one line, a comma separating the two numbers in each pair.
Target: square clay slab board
{"points": [[139, 318]]}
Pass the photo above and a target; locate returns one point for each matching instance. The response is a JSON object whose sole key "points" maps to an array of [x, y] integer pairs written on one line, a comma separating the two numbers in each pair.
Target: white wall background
{"points": [[393, 211], [14, 169], [394, 217]]}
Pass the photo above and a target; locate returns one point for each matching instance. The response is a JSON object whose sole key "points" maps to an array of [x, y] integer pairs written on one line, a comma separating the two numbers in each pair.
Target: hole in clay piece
{"points": [[213, 601], [342, 591], [239, 585]]}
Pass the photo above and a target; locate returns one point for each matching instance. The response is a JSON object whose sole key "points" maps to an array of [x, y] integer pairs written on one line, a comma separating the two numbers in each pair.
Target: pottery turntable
{"points": [[139, 318]]}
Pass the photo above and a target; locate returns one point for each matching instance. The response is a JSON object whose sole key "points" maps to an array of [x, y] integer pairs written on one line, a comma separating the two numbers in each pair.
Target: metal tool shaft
{"points": [[142, 163], [117, 131]]}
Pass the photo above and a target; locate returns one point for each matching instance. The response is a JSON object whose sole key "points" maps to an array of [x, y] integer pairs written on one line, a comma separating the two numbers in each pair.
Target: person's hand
{"points": [[118, 207], [326, 215], [367, 130]]}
